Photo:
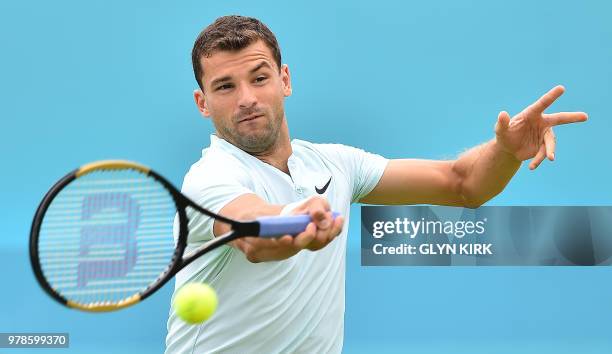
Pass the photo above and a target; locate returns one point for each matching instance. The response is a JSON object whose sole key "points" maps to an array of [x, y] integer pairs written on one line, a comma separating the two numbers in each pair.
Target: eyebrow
{"points": [[215, 82], [261, 65]]}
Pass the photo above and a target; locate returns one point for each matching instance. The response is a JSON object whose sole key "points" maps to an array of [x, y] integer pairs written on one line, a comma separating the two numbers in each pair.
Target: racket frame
{"points": [[178, 262]]}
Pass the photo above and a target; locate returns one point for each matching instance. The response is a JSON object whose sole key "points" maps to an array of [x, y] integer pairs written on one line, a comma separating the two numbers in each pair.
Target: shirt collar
{"points": [[220, 143], [217, 142]]}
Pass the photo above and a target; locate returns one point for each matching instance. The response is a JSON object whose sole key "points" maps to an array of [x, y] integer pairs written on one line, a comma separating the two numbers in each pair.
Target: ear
{"points": [[201, 102], [286, 80]]}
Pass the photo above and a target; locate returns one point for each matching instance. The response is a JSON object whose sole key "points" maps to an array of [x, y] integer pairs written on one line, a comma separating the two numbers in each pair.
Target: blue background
{"points": [[89, 80]]}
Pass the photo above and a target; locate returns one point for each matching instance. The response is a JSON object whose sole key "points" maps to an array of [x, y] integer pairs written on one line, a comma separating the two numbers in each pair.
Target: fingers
{"points": [[257, 249], [285, 241], [547, 99], [565, 118], [323, 228], [337, 227], [547, 150], [550, 144], [322, 218], [319, 210], [503, 122], [247, 248], [305, 238], [539, 157], [324, 237]]}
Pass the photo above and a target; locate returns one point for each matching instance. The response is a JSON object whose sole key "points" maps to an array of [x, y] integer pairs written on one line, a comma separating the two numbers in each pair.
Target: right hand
{"points": [[318, 234]]}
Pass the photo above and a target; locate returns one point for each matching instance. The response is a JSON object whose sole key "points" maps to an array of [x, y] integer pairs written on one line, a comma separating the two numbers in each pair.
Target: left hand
{"points": [[529, 133]]}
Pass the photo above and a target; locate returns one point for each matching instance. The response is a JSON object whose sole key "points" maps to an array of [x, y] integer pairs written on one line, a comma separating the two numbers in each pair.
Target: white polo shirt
{"points": [[293, 305]]}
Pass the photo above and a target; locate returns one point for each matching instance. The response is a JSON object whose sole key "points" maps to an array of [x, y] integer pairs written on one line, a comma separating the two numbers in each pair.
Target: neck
{"points": [[278, 154]]}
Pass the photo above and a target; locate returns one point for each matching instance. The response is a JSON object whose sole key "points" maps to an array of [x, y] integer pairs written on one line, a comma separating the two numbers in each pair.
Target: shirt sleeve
{"points": [[366, 170], [363, 169], [211, 191]]}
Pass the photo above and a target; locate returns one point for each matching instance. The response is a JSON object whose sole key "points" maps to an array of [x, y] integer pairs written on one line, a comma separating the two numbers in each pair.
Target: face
{"points": [[244, 95]]}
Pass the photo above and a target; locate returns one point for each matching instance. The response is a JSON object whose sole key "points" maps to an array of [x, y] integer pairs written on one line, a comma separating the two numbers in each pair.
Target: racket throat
{"points": [[242, 229]]}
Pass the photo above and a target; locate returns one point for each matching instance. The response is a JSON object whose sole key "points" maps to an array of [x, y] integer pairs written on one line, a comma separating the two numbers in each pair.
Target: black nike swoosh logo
{"points": [[322, 190]]}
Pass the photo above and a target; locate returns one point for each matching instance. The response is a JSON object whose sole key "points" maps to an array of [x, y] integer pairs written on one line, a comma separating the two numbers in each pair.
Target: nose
{"points": [[246, 97]]}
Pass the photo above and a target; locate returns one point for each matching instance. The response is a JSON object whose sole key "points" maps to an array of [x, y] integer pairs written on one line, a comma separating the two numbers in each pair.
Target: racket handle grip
{"points": [[272, 226]]}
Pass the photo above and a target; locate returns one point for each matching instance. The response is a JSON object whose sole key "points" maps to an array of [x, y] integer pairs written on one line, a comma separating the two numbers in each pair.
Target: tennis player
{"points": [[287, 294]]}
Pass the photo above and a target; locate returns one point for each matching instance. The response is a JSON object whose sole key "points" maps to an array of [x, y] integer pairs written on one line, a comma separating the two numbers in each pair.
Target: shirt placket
{"points": [[292, 164]]}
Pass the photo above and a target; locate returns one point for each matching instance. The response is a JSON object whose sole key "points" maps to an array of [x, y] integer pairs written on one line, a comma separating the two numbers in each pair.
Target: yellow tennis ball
{"points": [[195, 302]]}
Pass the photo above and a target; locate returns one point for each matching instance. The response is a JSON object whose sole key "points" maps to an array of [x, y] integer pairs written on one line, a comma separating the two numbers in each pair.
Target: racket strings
{"points": [[107, 236]]}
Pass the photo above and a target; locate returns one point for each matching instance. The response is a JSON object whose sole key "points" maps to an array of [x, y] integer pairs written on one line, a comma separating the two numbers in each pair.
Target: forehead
{"points": [[223, 63]]}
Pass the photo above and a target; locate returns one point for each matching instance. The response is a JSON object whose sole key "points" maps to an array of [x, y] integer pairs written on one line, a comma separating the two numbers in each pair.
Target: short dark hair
{"points": [[231, 33]]}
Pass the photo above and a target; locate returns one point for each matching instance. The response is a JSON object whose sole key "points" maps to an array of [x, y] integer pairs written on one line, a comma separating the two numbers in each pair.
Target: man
{"points": [[287, 294]]}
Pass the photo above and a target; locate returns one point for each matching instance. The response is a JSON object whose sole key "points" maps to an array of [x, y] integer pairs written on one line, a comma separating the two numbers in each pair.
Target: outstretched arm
{"points": [[482, 172]]}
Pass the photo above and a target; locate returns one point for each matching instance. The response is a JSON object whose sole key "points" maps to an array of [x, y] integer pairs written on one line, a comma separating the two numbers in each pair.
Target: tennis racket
{"points": [[102, 237]]}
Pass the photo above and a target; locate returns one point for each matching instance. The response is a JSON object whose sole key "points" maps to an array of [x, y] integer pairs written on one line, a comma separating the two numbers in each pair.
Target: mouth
{"points": [[250, 118]]}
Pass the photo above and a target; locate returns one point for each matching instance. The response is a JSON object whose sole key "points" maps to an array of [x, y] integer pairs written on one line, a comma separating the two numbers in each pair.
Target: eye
{"points": [[261, 79], [224, 87]]}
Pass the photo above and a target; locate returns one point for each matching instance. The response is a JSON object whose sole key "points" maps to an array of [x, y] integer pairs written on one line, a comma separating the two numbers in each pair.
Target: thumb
{"points": [[320, 219], [503, 122]]}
